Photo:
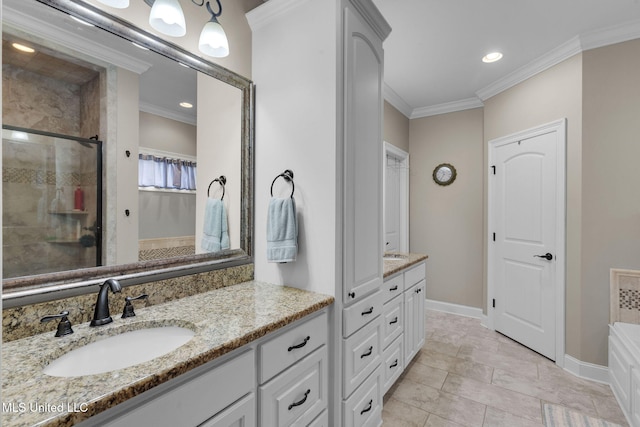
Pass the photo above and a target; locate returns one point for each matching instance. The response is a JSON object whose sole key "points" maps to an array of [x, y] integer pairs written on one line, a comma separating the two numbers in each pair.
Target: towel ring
{"points": [[222, 180], [288, 176]]}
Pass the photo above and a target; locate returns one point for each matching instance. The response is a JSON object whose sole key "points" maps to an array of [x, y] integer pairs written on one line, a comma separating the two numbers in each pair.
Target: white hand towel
{"points": [[282, 230], [215, 236]]}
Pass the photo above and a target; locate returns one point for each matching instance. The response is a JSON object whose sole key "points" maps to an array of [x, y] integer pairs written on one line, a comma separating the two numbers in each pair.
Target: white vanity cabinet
{"points": [[276, 381], [403, 321]]}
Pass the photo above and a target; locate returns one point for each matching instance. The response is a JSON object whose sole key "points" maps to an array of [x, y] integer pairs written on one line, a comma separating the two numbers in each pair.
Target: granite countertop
{"points": [[400, 261], [223, 320]]}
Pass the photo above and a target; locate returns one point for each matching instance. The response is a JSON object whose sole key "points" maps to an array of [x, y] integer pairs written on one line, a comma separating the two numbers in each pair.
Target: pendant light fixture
{"points": [[213, 39], [167, 17], [118, 4]]}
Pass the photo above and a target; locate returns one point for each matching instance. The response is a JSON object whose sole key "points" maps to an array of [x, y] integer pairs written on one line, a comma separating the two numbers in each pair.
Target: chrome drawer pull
{"points": [[304, 399], [364, 313], [368, 408], [395, 320], [368, 353], [395, 288], [302, 344], [394, 364]]}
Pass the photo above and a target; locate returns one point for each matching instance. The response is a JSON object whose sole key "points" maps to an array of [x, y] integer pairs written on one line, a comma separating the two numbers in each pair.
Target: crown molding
{"points": [[167, 114], [373, 17], [447, 107], [611, 35], [43, 29], [587, 41], [394, 99], [546, 61]]}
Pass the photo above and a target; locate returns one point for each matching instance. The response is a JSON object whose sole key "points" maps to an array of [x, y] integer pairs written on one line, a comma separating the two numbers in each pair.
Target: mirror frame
{"points": [[37, 288]]}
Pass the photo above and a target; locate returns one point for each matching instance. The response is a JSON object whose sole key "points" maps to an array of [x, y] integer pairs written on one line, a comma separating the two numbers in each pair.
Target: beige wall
{"points": [[395, 129], [160, 133], [610, 182], [599, 95], [447, 222]]}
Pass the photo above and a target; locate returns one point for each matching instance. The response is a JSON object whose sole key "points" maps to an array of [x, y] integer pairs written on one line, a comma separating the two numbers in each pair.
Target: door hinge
{"points": [[494, 303], [494, 169], [494, 237]]}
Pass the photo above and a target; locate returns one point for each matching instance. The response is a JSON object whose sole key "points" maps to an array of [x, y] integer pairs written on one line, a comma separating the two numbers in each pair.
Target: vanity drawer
{"points": [[364, 408], [279, 353], [414, 275], [298, 395], [362, 355], [392, 363], [392, 321], [393, 287], [361, 313]]}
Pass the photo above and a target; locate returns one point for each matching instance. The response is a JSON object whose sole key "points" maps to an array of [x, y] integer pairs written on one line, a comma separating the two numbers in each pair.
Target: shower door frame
{"points": [[98, 143]]}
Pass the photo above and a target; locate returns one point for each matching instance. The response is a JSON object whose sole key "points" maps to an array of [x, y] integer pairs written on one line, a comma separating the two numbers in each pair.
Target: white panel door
{"points": [[392, 204], [524, 215]]}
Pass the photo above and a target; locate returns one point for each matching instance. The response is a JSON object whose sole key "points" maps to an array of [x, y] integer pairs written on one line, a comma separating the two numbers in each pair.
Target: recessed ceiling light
{"points": [[23, 48], [185, 104], [492, 57]]}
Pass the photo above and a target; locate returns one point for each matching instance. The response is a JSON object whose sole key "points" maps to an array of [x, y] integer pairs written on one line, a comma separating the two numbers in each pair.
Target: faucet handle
{"points": [[64, 327], [128, 307]]}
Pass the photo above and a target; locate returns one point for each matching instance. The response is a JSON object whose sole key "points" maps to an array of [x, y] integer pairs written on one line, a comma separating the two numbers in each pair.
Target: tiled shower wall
{"points": [[34, 175]]}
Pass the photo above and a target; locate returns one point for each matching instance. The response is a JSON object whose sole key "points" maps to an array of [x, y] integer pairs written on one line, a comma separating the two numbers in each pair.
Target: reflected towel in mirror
{"points": [[282, 230], [215, 236]]}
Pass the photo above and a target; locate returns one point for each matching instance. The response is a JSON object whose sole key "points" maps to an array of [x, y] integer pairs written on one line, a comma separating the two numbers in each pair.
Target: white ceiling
{"points": [[433, 54]]}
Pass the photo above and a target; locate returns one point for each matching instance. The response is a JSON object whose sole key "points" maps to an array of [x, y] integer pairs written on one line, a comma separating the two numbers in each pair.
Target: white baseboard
{"points": [[586, 370], [572, 365], [448, 307]]}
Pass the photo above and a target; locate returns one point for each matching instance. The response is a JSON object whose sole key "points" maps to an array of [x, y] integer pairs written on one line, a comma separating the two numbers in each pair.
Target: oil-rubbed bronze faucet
{"points": [[101, 314], [64, 327]]}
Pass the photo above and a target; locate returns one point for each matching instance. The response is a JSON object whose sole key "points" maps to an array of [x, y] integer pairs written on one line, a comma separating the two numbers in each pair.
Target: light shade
{"points": [[167, 17], [118, 4], [213, 40]]}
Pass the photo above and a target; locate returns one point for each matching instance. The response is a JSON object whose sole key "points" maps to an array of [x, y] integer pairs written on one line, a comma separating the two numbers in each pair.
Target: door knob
{"points": [[547, 256]]}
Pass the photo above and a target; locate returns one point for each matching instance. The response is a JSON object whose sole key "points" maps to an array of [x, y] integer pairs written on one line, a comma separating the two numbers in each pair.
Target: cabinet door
{"points": [[363, 227], [635, 397], [240, 414], [620, 363], [193, 401], [414, 320]]}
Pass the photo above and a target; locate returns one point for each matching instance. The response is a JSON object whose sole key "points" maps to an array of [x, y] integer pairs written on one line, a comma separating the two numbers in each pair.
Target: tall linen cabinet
{"points": [[318, 69]]}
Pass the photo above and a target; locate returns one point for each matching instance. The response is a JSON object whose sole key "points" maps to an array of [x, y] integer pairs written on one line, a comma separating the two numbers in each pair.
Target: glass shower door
{"points": [[52, 202]]}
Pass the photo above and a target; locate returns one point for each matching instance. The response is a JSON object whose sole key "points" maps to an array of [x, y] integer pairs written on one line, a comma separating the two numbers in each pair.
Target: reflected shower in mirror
{"points": [[192, 124]]}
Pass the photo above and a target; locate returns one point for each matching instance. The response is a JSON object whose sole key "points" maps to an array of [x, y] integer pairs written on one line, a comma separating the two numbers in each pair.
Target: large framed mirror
{"points": [[144, 214]]}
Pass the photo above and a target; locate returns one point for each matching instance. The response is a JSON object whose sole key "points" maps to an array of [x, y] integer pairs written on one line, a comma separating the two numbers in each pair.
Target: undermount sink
{"points": [[394, 257], [119, 351]]}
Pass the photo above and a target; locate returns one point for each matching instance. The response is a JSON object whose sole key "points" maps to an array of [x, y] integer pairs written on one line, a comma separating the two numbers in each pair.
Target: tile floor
{"points": [[467, 375]]}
